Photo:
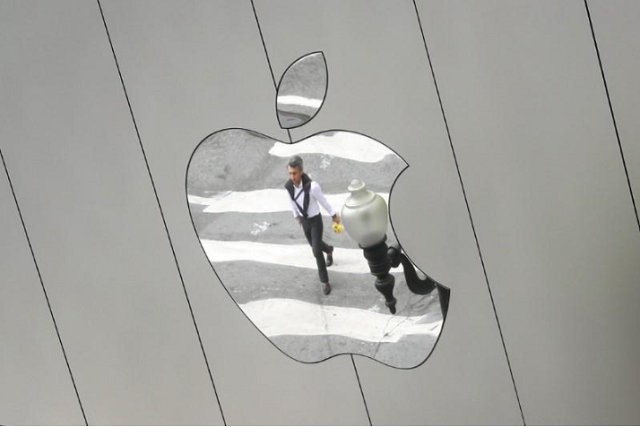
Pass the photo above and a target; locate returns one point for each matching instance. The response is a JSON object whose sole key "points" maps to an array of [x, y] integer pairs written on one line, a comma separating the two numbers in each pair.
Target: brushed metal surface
{"points": [[529, 118], [36, 386], [617, 34], [93, 221]]}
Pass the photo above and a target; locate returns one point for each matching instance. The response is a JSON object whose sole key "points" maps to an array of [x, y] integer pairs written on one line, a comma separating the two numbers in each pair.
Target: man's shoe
{"points": [[330, 258], [326, 288]]}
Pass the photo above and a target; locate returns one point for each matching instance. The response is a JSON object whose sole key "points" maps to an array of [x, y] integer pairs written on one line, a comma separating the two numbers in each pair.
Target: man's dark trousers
{"points": [[313, 232]]}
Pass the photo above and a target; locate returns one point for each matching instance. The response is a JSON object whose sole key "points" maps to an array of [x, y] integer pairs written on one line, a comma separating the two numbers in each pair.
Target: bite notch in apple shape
{"points": [[242, 217]]}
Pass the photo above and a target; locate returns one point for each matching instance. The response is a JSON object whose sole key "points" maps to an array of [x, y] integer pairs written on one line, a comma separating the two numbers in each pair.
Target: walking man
{"points": [[304, 195]]}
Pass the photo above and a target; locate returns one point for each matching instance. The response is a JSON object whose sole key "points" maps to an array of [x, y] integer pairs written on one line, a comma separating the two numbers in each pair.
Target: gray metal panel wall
{"points": [[95, 226], [536, 148], [530, 122], [615, 24], [36, 386]]}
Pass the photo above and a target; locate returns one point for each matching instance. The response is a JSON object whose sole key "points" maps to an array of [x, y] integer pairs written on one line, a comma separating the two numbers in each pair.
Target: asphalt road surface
{"points": [[242, 217]]}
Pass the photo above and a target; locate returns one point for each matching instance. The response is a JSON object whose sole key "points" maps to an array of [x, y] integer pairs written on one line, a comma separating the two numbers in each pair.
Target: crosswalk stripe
{"points": [[347, 145], [350, 260], [299, 100], [280, 316], [261, 201]]}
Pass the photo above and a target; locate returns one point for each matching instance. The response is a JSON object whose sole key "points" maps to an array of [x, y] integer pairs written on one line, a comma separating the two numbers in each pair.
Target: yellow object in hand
{"points": [[337, 227]]}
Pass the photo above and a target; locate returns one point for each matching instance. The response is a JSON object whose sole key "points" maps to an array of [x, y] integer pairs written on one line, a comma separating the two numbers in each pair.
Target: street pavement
{"points": [[260, 254]]}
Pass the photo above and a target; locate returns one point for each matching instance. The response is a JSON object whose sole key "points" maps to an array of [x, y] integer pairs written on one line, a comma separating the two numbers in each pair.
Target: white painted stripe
{"points": [[345, 260], [277, 317], [299, 100], [262, 201], [198, 200], [347, 145]]}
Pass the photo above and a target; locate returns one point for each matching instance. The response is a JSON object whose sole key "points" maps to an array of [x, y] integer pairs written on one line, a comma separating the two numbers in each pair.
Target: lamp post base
{"points": [[384, 285], [380, 265]]}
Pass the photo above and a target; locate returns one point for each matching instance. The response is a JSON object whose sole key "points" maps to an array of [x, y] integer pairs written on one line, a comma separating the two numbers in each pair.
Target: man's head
{"points": [[294, 167]]}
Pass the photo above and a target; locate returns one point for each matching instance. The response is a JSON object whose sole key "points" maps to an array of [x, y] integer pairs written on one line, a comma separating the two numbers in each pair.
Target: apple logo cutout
{"points": [[242, 215]]}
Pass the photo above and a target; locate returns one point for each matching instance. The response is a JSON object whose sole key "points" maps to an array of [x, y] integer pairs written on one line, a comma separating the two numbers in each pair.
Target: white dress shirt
{"points": [[315, 195]]}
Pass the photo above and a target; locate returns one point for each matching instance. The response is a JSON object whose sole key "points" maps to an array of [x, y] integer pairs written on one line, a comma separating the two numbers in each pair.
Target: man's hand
{"points": [[336, 218], [299, 219]]}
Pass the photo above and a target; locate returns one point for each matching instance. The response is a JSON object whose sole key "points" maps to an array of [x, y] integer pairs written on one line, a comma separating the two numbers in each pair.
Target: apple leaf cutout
{"points": [[302, 90]]}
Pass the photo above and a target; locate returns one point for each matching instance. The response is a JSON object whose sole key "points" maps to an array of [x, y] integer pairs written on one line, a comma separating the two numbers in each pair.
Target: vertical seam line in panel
{"points": [[361, 389], [466, 201], [266, 53], [264, 46], [44, 290], [164, 221], [613, 117]]}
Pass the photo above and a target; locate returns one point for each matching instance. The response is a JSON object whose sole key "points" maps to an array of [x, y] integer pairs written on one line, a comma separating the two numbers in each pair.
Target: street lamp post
{"points": [[365, 218]]}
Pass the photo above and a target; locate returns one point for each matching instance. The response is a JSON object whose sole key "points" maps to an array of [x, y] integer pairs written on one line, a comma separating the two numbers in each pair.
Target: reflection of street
{"points": [[259, 201], [260, 253], [289, 255]]}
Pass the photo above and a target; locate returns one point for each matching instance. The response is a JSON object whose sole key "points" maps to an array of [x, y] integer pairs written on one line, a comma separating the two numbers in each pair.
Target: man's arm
{"points": [[319, 196]]}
